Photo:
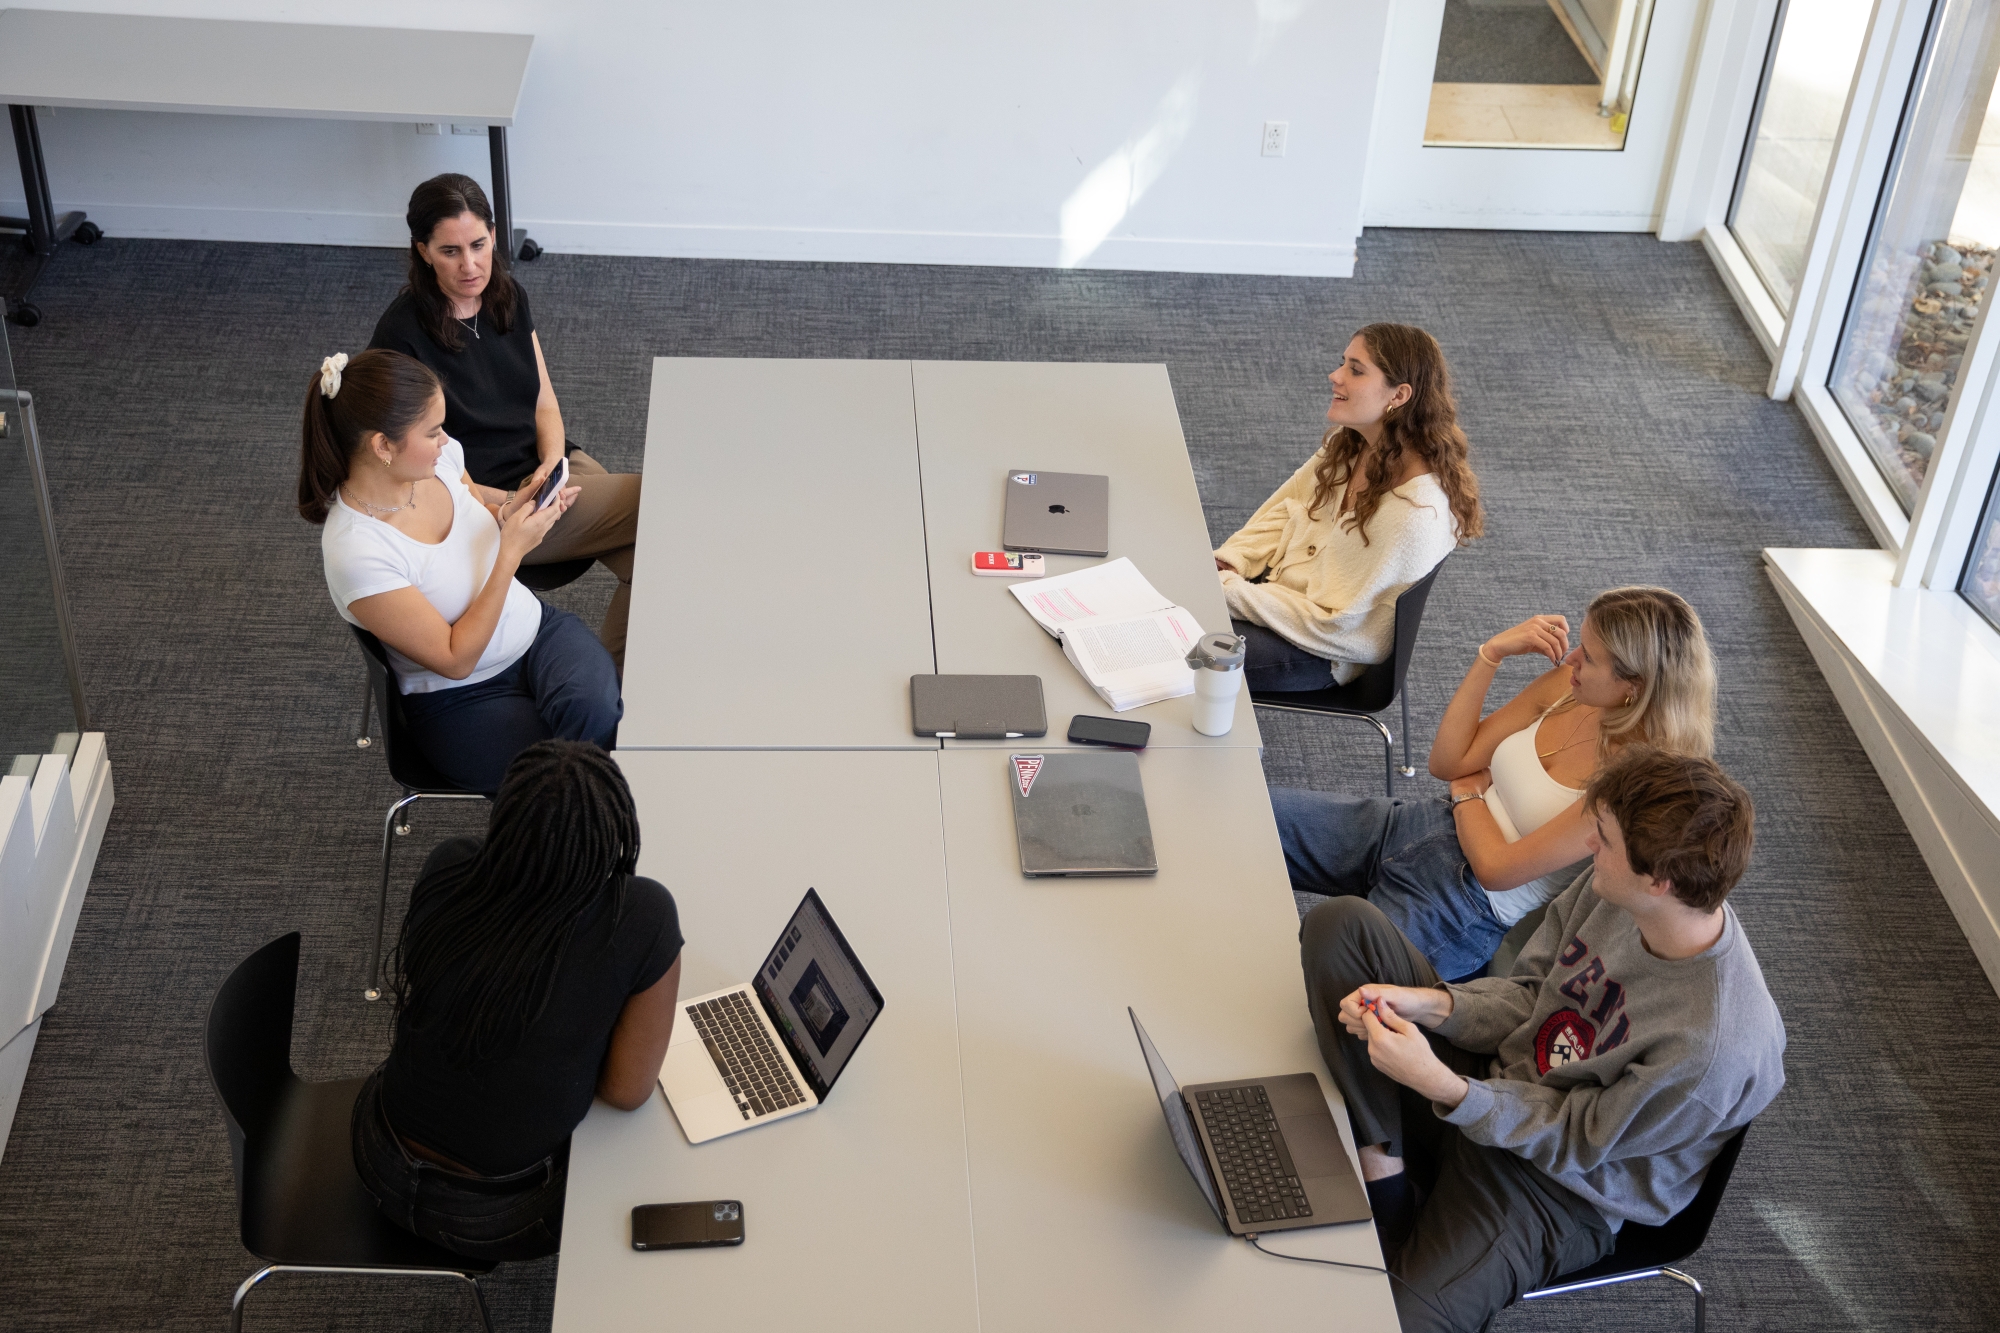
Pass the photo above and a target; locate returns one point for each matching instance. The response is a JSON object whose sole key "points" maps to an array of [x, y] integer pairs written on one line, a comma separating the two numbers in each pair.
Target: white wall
{"points": [[1115, 133]]}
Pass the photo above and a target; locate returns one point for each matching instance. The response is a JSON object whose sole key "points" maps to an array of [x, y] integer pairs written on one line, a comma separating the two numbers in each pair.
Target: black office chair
{"points": [[301, 1208], [1375, 688], [1645, 1252], [412, 772]]}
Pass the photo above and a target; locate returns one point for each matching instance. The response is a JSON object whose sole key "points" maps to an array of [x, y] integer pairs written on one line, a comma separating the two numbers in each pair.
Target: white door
{"points": [[1612, 181]]}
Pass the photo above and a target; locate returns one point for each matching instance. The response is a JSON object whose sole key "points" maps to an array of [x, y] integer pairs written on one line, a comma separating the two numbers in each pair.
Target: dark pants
{"points": [[1275, 663], [563, 688], [498, 1218], [1493, 1226], [1404, 857]]}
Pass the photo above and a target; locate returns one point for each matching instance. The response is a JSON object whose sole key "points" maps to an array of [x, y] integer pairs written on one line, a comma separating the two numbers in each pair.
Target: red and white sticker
{"points": [[1026, 766]]}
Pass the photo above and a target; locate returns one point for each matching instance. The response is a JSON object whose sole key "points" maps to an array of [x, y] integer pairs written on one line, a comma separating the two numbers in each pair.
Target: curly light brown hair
{"points": [[1426, 425]]}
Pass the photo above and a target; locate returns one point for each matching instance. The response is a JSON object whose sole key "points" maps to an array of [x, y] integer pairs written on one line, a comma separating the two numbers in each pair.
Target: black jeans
{"points": [[1494, 1225], [497, 1218], [1274, 662]]}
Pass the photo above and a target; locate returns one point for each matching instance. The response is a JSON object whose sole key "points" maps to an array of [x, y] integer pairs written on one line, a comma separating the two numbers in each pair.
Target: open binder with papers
{"points": [[1129, 642]]}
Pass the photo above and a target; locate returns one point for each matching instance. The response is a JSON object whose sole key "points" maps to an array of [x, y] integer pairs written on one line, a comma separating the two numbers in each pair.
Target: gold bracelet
{"points": [[1484, 658]]}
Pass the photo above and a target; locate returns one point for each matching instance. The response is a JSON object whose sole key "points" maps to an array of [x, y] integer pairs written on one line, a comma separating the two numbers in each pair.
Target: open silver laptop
{"points": [[759, 1052], [1081, 812], [1062, 513], [1265, 1151]]}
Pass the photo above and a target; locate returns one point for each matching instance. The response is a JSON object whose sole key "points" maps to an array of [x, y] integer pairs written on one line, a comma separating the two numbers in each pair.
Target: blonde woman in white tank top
{"points": [[1453, 877]]}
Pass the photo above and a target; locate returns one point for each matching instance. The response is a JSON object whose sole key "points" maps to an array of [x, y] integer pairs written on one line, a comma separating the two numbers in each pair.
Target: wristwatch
{"points": [[1457, 801]]}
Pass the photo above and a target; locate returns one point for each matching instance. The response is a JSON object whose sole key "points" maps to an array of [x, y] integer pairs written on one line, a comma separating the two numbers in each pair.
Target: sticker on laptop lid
{"points": [[1024, 478], [1026, 766]]}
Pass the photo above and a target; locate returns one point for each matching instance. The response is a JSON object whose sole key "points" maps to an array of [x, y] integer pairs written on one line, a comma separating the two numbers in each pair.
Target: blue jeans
{"points": [[563, 688], [499, 1218], [1402, 856], [1274, 662]]}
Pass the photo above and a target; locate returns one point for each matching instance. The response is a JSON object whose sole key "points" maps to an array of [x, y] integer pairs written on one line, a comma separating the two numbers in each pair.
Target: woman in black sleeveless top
{"points": [[462, 314], [534, 972]]}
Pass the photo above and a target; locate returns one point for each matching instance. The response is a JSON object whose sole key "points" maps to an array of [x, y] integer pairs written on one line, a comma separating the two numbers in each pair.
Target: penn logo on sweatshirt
{"points": [[1566, 1038]]}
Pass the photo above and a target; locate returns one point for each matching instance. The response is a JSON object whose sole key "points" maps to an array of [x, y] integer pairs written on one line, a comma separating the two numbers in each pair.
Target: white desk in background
{"points": [[779, 596], [231, 67], [978, 420]]}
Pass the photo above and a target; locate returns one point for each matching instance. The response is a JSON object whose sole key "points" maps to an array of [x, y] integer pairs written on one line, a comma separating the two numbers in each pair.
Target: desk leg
{"points": [[45, 231], [34, 180], [518, 244]]}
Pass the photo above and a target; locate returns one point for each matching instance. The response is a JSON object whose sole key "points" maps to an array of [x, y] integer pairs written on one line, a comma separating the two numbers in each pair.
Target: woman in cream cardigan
{"points": [[1312, 578]]}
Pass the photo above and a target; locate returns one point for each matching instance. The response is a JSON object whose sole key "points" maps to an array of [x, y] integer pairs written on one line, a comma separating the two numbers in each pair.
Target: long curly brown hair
{"points": [[1426, 425]]}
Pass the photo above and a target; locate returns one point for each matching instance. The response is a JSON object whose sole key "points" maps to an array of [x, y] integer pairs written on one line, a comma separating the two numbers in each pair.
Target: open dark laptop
{"points": [[1265, 1151], [771, 1048]]}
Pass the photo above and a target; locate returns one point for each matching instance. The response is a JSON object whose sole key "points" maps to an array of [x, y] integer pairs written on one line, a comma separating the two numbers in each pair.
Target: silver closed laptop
{"points": [[1060, 513], [1080, 813]]}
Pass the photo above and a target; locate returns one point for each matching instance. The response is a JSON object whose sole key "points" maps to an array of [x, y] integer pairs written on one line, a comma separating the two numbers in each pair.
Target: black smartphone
{"points": [[687, 1226], [1087, 730]]}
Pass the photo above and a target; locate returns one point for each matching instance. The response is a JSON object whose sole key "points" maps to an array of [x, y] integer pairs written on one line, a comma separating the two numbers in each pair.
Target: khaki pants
{"points": [[604, 523]]}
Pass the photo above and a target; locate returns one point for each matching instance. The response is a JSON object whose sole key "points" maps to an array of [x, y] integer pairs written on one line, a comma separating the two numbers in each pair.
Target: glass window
{"points": [[1981, 584], [1806, 79], [1930, 255]]}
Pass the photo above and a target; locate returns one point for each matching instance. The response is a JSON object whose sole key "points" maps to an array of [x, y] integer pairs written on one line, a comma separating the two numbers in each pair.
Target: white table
{"points": [[979, 420], [856, 1215], [994, 1156], [133, 62], [779, 594]]}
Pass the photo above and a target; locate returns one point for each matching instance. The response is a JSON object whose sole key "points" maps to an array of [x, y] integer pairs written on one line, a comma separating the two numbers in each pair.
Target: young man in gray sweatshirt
{"points": [[1590, 1087]]}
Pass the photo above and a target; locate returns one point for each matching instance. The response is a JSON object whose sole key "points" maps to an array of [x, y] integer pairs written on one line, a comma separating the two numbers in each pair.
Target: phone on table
{"points": [[552, 484], [1087, 730], [687, 1226]]}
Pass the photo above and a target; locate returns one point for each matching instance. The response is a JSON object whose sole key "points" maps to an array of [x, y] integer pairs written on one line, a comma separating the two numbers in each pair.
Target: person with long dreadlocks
{"points": [[533, 971]]}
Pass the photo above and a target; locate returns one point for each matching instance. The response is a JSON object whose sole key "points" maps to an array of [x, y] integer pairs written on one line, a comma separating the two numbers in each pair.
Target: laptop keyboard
{"points": [[744, 1055], [1256, 1174]]}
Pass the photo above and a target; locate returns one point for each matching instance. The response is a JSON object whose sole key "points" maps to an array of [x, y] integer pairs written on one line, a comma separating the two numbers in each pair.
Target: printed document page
{"points": [[1114, 590]]}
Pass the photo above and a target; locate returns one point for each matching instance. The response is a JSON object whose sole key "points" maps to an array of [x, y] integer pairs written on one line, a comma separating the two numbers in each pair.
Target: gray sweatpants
{"points": [[1493, 1225]]}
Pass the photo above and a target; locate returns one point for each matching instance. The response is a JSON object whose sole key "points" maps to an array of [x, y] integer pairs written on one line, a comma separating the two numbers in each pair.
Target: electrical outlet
{"points": [[429, 127], [1274, 137], [479, 130]]}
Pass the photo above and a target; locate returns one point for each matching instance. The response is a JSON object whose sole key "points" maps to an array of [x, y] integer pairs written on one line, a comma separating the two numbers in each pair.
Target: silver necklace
{"points": [[472, 323], [378, 511]]}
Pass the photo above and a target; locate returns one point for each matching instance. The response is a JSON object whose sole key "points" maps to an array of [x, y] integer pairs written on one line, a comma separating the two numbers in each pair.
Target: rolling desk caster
{"points": [[372, 994], [88, 233], [27, 314]]}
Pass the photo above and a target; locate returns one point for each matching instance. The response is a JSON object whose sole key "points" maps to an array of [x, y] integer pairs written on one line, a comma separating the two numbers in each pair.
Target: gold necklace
{"points": [[378, 511], [1573, 735]]}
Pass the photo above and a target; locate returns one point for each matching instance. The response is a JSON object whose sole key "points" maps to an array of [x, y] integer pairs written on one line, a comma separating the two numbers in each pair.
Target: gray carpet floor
{"points": [[1613, 396], [1514, 43]]}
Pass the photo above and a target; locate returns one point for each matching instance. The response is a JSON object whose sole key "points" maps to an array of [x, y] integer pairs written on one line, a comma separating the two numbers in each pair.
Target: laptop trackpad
{"points": [[1314, 1141]]}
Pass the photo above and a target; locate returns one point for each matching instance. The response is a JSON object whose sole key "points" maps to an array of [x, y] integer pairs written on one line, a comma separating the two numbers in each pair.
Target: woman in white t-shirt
{"points": [[1455, 874], [1312, 578], [417, 559]]}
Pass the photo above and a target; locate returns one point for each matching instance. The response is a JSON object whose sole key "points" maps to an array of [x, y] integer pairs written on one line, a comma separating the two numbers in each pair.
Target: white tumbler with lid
{"points": [[1218, 674]]}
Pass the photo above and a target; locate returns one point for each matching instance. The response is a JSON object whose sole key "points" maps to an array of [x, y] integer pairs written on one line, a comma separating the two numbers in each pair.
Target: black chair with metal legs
{"points": [[1375, 688], [301, 1207], [1646, 1252], [412, 772]]}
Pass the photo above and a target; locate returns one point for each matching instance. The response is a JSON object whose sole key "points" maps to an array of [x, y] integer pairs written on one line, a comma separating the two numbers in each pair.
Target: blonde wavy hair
{"points": [[1659, 649]]}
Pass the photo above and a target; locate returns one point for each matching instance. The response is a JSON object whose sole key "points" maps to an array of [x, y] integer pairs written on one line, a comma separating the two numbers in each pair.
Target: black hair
{"points": [[477, 957], [440, 199], [378, 391]]}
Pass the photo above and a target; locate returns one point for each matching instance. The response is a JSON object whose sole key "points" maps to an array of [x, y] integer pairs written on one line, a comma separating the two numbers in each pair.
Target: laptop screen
{"points": [[1178, 1123], [817, 993]]}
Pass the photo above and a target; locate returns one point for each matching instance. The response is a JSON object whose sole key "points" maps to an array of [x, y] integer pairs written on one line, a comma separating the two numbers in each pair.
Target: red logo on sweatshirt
{"points": [[1565, 1039]]}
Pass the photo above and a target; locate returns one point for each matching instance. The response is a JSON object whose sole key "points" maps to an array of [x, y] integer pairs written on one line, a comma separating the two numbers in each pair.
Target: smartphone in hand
{"points": [[552, 484]]}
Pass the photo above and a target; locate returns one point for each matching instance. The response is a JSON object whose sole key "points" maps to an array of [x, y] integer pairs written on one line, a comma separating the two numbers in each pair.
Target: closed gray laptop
{"points": [[978, 707], [1080, 813], [1061, 513]]}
